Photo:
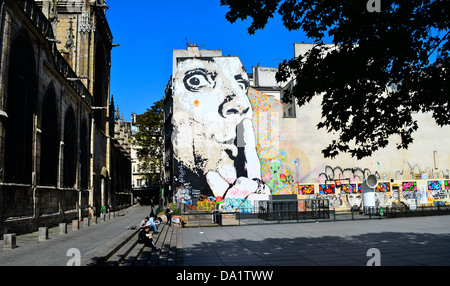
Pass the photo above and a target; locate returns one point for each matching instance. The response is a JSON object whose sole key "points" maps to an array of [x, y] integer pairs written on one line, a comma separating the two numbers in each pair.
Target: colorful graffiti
{"points": [[213, 138], [239, 205], [434, 185], [409, 186], [348, 189], [227, 150], [306, 189], [275, 169], [383, 187], [326, 189]]}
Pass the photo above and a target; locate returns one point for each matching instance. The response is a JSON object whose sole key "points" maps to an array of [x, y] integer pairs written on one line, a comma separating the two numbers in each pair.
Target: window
{"points": [[289, 111], [84, 155], [19, 107], [70, 149], [49, 140], [289, 107]]}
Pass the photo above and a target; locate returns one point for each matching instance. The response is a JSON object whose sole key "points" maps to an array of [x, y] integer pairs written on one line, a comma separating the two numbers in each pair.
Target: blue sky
{"points": [[149, 30]]}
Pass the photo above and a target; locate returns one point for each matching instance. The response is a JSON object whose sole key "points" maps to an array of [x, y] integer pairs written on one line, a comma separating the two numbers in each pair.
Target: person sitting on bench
{"points": [[145, 237]]}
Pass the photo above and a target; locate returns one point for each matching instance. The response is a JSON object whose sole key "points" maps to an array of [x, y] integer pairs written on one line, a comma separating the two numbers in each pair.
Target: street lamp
{"points": [[75, 78], [53, 40]]}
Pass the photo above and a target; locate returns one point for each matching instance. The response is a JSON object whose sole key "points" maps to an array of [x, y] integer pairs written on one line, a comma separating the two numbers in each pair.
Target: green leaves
{"points": [[150, 140], [259, 10], [380, 69]]}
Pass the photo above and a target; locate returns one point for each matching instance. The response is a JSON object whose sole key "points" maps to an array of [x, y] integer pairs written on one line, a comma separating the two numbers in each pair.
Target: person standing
{"points": [[169, 215]]}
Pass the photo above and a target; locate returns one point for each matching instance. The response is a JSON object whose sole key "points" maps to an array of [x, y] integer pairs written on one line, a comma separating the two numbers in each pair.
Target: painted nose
{"points": [[235, 106]]}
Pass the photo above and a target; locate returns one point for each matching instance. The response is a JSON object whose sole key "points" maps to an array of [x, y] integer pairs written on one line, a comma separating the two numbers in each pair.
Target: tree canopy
{"points": [[150, 140], [381, 68]]}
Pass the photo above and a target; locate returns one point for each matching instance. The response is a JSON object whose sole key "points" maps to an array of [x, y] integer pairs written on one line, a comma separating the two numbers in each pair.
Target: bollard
{"points": [[63, 228], [75, 224], [86, 221], [43, 233], [9, 241]]}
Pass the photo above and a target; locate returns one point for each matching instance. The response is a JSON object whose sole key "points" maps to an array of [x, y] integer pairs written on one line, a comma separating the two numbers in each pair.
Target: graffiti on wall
{"points": [[275, 169], [418, 172], [355, 174], [348, 189], [326, 189], [213, 137], [305, 189], [383, 187], [226, 145], [432, 192]]}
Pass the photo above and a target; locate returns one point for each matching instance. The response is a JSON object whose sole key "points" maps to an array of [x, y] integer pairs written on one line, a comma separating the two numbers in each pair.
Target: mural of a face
{"points": [[213, 138], [354, 200]]}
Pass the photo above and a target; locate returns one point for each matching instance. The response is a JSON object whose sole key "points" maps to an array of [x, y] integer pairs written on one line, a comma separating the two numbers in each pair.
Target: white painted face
{"points": [[214, 92], [212, 113]]}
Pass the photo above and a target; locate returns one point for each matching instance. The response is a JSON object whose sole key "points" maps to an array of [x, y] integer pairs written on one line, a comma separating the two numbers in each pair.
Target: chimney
{"points": [[192, 51]]}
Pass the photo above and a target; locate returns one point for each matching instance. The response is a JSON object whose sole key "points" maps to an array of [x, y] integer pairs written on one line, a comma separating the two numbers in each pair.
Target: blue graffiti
{"points": [[238, 204], [434, 185]]}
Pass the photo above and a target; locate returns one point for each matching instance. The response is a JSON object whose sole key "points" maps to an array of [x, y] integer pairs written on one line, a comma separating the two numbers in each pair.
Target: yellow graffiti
{"points": [[205, 206]]}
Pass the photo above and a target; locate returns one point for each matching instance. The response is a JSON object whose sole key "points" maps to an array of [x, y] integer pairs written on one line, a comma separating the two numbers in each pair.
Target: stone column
{"points": [[9, 241], [86, 222], [75, 224], [43, 233], [63, 228]]}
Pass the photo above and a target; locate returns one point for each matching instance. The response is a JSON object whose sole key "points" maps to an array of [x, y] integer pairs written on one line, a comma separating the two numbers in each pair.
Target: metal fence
{"points": [[310, 210], [282, 210], [263, 212], [394, 211]]}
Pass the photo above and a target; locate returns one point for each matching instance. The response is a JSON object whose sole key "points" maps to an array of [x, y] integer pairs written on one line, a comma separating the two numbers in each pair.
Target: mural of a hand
{"points": [[244, 188]]}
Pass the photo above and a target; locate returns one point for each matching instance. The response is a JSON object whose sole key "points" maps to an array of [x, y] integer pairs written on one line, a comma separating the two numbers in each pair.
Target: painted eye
{"points": [[197, 79], [243, 84]]}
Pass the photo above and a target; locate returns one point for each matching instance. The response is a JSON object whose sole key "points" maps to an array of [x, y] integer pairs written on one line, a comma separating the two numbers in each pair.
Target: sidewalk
{"points": [[92, 241], [400, 241]]}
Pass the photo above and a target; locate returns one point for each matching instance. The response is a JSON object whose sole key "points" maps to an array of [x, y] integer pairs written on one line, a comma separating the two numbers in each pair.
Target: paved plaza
{"points": [[396, 242], [387, 242]]}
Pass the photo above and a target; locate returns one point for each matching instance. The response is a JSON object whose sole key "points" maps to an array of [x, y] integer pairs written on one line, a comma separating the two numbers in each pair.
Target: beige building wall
{"points": [[428, 157], [292, 161]]}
